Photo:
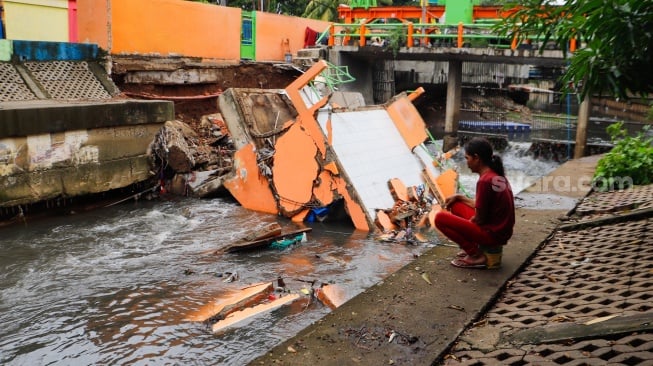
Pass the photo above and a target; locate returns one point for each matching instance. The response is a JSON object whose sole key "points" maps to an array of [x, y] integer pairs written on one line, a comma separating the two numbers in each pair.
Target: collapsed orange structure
{"points": [[297, 152]]}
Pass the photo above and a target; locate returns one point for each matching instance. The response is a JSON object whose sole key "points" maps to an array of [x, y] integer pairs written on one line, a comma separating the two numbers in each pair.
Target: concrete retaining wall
{"points": [[66, 152], [73, 163], [63, 133]]}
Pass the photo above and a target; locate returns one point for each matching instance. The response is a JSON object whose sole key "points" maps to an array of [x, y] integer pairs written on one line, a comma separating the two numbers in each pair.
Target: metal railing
{"points": [[409, 34]]}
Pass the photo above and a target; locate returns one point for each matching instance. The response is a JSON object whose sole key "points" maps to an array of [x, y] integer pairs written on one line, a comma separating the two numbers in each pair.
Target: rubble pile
{"points": [[192, 163], [296, 152]]}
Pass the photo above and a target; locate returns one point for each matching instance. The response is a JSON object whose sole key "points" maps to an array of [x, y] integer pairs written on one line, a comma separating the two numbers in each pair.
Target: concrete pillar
{"points": [[362, 72], [581, 128], [383, 81], [454, 87]]}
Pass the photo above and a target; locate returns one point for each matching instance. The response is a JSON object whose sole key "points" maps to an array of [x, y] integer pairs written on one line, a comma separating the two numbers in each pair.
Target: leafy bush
{"points": [[396, 39], [630, 162]]}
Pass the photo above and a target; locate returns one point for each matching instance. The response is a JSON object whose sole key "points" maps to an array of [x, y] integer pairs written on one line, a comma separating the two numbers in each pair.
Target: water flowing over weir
{"points": [[522, 170], [115, 286]]}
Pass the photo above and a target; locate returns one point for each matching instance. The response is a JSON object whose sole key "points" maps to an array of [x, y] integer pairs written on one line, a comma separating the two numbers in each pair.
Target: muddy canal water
{"points": [[117, 285]]}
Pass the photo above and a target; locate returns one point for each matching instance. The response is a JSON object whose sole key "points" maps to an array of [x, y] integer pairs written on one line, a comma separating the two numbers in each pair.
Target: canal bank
{"points": [[65, 131], [416, 315]]}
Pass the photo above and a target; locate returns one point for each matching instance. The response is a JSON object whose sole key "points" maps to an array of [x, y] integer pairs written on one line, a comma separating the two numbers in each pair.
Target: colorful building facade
{"points": [[165, 28]]}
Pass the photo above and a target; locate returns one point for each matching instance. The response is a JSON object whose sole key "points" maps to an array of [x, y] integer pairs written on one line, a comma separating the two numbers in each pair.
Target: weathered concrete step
{"points": [[304, 61], [316, 53], [25, 118]]}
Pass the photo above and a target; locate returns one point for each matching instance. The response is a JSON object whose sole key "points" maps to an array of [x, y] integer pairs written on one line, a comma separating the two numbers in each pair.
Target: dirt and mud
{"points": [[194, 100]]}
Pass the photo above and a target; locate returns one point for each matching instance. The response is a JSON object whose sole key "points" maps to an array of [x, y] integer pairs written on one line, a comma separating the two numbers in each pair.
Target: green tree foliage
{"points": [[616, 52], [629, 162], [286, 7], [289, 7], [326, 10]]}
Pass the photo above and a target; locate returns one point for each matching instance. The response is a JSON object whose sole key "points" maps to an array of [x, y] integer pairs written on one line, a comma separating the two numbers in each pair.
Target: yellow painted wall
{"points": [[93, 22], [272, 29], [175, 27], [36, 20]]}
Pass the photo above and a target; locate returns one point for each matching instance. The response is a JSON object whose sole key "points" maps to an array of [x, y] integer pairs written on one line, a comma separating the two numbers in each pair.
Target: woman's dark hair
{"points": [[481, 147]]}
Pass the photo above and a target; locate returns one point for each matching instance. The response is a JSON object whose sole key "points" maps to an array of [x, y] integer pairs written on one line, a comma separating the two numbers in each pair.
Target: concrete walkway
{"points": [[405, 320]]}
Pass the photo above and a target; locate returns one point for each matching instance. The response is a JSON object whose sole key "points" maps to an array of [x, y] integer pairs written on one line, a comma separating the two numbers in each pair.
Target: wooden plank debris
{"points": [[270, 230], [261, 243], [243, 298], [247, 313], [331, 295]]}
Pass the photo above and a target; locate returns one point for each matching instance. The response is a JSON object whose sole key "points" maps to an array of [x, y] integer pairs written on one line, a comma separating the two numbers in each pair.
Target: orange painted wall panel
{"points": [[272, 29], [93, 22], [247, 185], [175, 27], [408, 121], [186, 28], [295, 169]]}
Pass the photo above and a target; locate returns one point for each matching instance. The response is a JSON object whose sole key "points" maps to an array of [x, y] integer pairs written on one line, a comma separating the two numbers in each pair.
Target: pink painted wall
{"points": [[93, 22]]}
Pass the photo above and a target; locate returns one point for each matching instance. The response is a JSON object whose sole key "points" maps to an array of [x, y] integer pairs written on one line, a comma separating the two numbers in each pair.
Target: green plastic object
{"points": [[458, 11], [285, 243], [362, 3]]}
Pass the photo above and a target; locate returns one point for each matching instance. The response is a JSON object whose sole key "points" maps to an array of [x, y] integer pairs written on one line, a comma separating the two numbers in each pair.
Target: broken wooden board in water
{"points": [[244, 297], [264, 242], [331, 295], [268, 231], [241, 306], [247, 313]]}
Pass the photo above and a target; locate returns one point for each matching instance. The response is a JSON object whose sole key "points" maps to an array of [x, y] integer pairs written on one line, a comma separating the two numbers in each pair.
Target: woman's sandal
{"points": [[462, 263], [461, 254]]}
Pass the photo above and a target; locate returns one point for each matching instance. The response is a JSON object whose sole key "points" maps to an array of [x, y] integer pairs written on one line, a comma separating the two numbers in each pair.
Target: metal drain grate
{"points": [[635, 349], [604, 202], [67, 80], [576, 277], [583, 275], [12, 86]]}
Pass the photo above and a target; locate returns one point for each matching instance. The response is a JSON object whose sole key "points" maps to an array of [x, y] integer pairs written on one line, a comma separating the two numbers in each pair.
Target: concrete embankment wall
{"points": [[76, 161], [63, 131]]}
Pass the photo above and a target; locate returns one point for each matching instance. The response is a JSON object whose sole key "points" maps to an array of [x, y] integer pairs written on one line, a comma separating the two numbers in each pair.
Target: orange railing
{"points": [[408, 34]]}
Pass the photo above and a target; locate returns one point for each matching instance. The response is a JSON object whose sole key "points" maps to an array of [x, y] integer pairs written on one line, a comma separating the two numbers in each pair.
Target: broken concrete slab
{"points": [[206, 183], [296, 151]]}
